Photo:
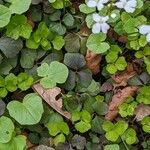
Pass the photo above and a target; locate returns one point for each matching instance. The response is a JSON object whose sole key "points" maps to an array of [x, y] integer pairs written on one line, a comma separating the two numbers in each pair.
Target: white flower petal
{"points": [[132, 3], [100, 6], [129, 9], [104, 19], [148, 37], [96, 28], [119, 4], [91, 3], [144, 29], [104, 1], [96, 17], [105, 27]]}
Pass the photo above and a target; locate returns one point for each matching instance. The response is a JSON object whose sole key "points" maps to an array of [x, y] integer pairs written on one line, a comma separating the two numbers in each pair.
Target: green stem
{"points": [[124, 144]]}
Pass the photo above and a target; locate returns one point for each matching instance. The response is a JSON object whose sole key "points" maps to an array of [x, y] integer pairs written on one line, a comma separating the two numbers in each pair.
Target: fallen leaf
{"points": [[118, 98], [122, 78], [49, 95], [93, 61], [142, 111]]}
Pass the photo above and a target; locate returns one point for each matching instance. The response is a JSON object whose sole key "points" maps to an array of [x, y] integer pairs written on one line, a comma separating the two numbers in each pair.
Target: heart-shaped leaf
{"points": [[27, 113]]}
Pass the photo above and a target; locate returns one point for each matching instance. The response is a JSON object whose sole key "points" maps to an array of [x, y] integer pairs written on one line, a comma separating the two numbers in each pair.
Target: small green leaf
{"points": [[96, 43], [6, 129], [58, 42], [59, 139], [82, 126], [24, 81], [112, 147], [85, 9]]}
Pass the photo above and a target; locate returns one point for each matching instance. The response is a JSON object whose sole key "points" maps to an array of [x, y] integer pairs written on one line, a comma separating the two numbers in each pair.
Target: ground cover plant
{"points": [[74, 75]]}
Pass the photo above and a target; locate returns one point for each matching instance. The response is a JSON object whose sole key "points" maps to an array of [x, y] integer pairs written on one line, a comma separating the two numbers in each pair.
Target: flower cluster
{"points": [[100, 22]]}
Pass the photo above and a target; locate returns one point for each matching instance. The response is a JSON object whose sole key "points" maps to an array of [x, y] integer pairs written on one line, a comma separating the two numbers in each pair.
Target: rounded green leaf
{"points": [[6, 129], [28, 112], [82, 126], [58, 72], [5, 15], [96, 43]]}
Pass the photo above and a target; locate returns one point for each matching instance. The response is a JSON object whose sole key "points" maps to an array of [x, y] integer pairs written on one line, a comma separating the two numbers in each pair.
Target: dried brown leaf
{"points": [[142, 111], [93, 61], [118, 98], [122, 78], [49, 95]]}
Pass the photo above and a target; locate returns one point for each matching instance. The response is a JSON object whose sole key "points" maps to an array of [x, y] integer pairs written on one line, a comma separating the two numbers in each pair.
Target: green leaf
{"points": [[84, 78], [63, 126], [28, 58], [43, 70], [85, 9], [143, 95], [24, 81], [86, 116], [10, 47], [11, 82], [112, 147], [58, 42], [59, 28], [68, 20], [72, 43], [28, 112], [146, 124], [19, 7], [5, 15], [112, 136], [111, 68], [82, 126], [107, 126], [6, 129], [18, 26], [17, 143], [53, 128], [130, 136], [59, 72], [121, 64], [59, 139], [74, 60], [75, 116], [111, 57], [97, 125], [96, 43], [100, 108], [47, 82]]}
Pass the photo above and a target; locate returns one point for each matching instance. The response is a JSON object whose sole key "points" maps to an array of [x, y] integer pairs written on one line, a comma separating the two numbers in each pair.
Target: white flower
{"points": [[97, 3], [100, 25], [128, 5], [145, 30]]}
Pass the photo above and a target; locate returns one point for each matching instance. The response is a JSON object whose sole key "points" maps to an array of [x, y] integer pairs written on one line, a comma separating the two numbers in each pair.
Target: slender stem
{"points": [[124, 144]]}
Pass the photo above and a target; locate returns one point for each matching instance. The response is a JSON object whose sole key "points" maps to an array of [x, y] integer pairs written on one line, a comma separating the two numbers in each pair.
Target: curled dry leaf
{"points": [[93, 61], [142, 111], [49, 95], [118, 98], [122, 78]]}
